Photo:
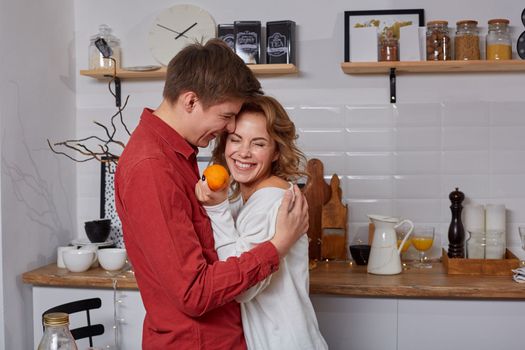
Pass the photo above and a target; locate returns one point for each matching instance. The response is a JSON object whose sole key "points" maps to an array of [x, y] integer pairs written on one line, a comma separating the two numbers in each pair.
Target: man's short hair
{"points": [[213, 71]]}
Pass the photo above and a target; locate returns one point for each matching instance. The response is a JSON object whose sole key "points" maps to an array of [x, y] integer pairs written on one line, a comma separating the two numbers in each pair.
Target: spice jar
{"points": [[96, 60], [388, 47], [466, 43], [499, 44], [438, 41]]}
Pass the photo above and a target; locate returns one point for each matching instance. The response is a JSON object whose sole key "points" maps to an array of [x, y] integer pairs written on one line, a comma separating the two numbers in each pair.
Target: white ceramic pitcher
{"points": [[385, 256]]}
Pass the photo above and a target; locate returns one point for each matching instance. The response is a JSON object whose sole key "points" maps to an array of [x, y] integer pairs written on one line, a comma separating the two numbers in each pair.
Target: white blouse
{"points": [[277, 312]]}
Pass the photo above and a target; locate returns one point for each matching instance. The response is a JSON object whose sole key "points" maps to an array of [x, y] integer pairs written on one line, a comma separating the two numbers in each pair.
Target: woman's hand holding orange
{"points": [[212, 189]]}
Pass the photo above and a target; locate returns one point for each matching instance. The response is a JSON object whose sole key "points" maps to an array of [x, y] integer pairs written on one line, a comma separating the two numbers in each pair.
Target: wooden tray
{"points": [[491, 267]]}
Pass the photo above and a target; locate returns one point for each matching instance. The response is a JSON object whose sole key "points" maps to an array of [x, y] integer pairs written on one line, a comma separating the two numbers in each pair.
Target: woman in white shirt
{"points": [[263, 160]]}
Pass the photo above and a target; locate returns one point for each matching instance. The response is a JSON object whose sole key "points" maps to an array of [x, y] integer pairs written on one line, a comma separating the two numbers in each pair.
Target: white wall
{"points": [[37, 101], [447, 130]]}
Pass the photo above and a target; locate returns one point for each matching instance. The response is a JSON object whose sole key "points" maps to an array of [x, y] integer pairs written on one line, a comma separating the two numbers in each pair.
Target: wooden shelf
{"points": [[257, 69], [433, 66]]}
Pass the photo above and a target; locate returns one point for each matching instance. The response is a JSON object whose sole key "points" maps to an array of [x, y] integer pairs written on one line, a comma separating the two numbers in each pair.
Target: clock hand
{"points": [[171, 30], [182, 34]]}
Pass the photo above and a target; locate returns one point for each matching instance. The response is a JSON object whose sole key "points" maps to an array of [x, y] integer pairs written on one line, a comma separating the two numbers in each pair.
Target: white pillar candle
{"points": [[473, 218], [495, 217]]}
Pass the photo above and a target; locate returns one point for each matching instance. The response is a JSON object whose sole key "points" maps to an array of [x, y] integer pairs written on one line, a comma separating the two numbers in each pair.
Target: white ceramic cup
{"points": [[92, 248], [60, 251], [112, 259], [78, 260]]}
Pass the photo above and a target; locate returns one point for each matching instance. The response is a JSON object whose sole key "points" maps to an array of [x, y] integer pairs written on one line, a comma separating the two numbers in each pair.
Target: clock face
{"points": [[177, 27]]}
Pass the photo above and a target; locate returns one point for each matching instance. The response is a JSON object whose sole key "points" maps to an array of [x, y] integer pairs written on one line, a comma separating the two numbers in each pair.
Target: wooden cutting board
{"points": [[333, 224], [317, 193]]}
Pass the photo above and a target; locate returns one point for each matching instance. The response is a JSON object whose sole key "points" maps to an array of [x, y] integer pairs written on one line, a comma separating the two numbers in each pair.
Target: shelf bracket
{"points": [[392, 85], [117, 92]]}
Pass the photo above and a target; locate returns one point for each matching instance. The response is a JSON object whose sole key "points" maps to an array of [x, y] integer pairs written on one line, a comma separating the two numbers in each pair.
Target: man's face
{"points": [[211, 122]]}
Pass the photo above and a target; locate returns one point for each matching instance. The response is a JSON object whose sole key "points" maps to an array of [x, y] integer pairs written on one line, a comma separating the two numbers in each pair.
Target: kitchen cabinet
{"points": [[392, 68], [128, 310], [415, 324], [356, 310]]}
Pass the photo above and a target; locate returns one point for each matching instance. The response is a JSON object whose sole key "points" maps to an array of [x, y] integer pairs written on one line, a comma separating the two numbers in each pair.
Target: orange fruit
{"points": [[216, 176]]}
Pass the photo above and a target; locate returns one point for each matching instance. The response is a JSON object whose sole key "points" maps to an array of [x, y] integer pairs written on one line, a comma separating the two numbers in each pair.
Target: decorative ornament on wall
{"points": [[178, 26], [108, 209], [520, 46]]}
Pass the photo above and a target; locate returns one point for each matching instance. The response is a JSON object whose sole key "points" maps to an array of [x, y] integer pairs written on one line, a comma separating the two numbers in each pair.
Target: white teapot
{"points": [[385, 256]]}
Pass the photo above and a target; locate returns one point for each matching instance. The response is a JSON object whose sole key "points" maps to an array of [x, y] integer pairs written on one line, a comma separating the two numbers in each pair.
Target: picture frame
{"points": [[379, 18]]}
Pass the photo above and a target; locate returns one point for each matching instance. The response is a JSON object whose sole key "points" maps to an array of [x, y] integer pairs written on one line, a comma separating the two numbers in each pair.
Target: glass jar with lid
{"points": [[56, 333], [96, 60], [499, 43], [495, 244], [388, 47], [476, 245], [466, 43], [438, 41]]}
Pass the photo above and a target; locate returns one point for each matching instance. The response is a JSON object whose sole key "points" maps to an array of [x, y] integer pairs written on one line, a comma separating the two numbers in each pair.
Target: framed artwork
{"points": [[384, 20]]}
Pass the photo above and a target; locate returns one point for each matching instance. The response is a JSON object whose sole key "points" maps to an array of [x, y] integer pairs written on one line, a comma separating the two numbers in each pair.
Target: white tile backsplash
{"points": [[465, 138], [359, 116], [417, 139], [507, 113], [465, 162], [379, 139], [417, 186], [417, 114], [507, 138], [407, 163], [317, 116], [505, 162], [369, 163], [395, 159], [465, 114]]}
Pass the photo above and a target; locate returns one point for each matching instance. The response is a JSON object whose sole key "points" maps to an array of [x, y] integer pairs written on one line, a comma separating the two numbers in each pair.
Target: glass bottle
{"points": [[438, 41], [499, 43], [96, 60], [56, 333], [388, 47], [466, 43]]}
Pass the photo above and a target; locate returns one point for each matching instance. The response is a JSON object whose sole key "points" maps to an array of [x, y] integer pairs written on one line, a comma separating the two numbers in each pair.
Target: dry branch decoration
{"points": [[103, 150]]}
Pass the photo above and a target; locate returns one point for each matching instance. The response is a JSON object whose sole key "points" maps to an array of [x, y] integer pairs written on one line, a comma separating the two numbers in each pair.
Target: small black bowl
{"points": [[360, 253], [97, 231]]}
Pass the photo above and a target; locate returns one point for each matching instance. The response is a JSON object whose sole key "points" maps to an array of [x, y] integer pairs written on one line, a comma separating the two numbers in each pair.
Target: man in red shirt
{"points": [[187, 292]]}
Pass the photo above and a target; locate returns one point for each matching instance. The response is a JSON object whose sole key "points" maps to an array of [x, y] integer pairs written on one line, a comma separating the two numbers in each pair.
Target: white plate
{"points": [[85, 241], [141, 68]]}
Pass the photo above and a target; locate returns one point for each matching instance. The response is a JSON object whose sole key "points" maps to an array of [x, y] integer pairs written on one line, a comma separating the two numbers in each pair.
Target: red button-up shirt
{"points": [[187, 292]]}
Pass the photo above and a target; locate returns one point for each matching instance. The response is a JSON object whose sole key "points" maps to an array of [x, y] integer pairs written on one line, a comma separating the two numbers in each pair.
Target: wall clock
{"points": [[178, 26]]}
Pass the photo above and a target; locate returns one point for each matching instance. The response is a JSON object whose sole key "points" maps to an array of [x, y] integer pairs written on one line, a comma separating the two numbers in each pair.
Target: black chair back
{"points": [[88, 331]]}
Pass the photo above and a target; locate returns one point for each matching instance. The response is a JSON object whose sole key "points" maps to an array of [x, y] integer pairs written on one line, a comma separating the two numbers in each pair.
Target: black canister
{"points": [[225, 33], [280, 42], [248, 41]]}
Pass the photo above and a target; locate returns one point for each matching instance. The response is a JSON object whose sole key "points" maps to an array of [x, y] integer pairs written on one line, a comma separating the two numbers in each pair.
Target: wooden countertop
{"points": [[337, 278]]}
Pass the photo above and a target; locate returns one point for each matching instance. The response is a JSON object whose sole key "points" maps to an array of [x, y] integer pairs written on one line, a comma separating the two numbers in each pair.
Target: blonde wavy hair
{"points": [[290, 165]]}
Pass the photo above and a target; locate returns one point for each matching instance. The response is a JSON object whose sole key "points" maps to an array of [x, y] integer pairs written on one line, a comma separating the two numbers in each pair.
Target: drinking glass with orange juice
{"points": [[422, 240], [408, 242]]}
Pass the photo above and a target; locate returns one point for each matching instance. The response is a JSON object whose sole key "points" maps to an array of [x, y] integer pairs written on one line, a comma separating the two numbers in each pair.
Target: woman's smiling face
{"points": [[250, 151]]}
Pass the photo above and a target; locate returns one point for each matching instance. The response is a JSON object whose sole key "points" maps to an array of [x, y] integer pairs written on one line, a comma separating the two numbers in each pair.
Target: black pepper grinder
{"points": [[456, 232]]}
